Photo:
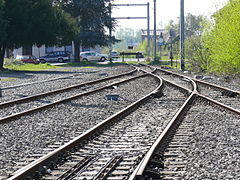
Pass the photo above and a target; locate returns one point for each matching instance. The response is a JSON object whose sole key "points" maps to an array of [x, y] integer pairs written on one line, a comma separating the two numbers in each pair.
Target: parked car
{"points": [[92, 56], [114, 54], [27, 59], [56, 56]]}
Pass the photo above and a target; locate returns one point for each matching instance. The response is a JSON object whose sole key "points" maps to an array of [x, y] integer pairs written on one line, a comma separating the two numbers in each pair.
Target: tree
{"points": [[127, 36], [3, 34], [29, 22], [194, 25], [197, 54], [195, 49], [93, 18], [224, 38]]}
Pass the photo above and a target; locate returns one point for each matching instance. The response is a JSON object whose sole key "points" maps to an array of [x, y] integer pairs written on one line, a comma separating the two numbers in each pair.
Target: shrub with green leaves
{"points": [[223, 40]]}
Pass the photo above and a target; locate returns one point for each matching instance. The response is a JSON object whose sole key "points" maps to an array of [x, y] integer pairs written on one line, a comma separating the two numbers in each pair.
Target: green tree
{"points": [[197, 54], [29, 22], [93, 18], [3, 34], [194, 25], [127, 36], [196, 51], [224, 38]]}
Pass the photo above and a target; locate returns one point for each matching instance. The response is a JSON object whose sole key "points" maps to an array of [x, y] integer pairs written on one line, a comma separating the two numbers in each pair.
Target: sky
{"points": [[166, 10]]}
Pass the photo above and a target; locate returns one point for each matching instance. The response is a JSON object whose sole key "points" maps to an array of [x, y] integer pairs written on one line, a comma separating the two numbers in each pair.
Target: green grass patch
{"points": [[8, 79], [30, 67], [132, 62]]}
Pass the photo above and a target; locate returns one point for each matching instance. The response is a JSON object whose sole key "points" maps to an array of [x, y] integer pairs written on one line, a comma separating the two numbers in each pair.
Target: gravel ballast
{"points": [[30, 134], [32, 89], [215, 146]]}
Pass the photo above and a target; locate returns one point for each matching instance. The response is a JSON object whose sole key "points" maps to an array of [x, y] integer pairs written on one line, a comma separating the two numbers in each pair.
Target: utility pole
{"points": [[171, 46], [182, 35], [110, 33], [155, 33], [148, 21], [148, 29]]}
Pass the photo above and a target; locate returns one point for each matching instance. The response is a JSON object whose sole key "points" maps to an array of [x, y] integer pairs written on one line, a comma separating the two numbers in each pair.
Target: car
{"points": [[28, 59], [92, 56], [56, 56], [114, 54]]}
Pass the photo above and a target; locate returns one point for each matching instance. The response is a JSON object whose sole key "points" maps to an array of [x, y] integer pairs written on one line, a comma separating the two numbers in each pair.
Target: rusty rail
{"points": [[29, 170], [17, 115], [139, 172], [21, 100]]}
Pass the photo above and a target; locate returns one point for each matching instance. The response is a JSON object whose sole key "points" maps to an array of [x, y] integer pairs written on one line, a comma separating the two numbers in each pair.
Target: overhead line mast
{"points": [[182, 37], [148, 21]]}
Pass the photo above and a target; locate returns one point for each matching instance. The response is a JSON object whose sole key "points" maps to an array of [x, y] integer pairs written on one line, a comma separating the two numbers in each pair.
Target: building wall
{"points": [[42, 51]]}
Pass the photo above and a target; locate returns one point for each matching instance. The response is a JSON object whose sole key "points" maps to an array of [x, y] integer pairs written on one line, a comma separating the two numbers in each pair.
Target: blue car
{"points": [[56, 56]]}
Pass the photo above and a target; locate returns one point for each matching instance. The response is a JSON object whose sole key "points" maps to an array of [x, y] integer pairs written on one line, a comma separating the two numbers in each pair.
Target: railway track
{"points": [[14, 108], [222, 94], [91, 133], [18, 91], [170, 145], [42, 81], [193, 141]]}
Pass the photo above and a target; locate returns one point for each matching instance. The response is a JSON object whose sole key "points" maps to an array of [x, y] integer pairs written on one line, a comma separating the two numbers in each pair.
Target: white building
{"points": [[44, 50]]}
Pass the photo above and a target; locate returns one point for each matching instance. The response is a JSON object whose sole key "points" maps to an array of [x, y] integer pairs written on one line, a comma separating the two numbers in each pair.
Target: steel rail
{"points": [[139, 68], [221, 105], [33, 97], [73, 170], [193, 84], [30, 169], [17, 115], [181, 88], [231, 92], [106, 170], [234, 92], [138, 173]]}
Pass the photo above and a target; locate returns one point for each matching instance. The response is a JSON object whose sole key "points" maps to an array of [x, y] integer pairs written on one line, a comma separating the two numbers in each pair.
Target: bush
{"points": [[223, 40]]}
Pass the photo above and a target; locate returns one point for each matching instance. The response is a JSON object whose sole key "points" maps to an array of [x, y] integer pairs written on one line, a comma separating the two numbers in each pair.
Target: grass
{"points": [[8, 79], [30, 67], [16, 65]]}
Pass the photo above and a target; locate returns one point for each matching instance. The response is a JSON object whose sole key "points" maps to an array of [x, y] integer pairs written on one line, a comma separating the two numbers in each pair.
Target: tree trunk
{"points": [[76, 51], [2, 53]]}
